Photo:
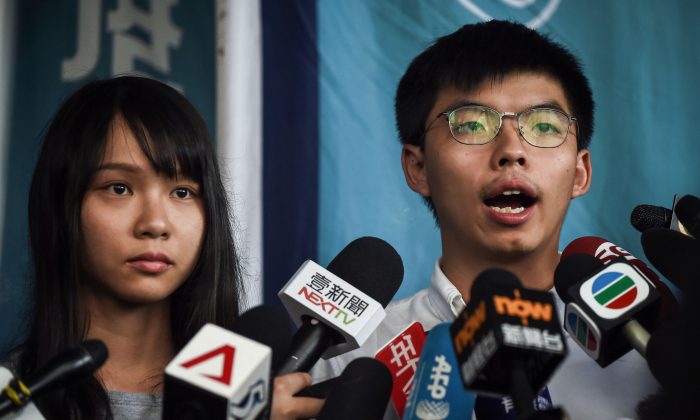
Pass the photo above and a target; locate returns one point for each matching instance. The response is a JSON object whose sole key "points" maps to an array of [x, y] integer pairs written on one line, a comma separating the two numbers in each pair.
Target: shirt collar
{"points": [[447, 291]]}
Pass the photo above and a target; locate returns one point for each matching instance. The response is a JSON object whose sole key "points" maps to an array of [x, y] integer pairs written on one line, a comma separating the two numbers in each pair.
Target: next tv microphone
{"points": [[338, 308], [66, 368], [221, 374], [609, 309], [508, 340], [437, 391]]}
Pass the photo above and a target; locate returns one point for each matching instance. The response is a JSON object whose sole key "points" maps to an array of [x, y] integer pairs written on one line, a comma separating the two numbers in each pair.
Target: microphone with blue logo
{"points": [[508, 341], [437, 391], [609, 308]]}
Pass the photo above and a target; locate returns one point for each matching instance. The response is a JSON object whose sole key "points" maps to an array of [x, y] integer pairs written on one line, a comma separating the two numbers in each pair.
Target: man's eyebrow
{"points": [[462, 102]]}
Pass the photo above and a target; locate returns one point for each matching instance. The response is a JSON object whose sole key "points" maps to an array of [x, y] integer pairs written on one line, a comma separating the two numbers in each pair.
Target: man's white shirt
{"points": [[580, 386]]}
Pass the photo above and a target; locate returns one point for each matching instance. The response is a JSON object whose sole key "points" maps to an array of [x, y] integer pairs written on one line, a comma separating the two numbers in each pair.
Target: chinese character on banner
{"points": [[152, 50], [337, 294], [356, 305], [319, 282], [401, 356]]}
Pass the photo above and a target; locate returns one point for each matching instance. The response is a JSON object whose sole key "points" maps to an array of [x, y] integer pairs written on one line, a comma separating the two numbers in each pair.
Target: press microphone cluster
{"points": [[65, 369]]}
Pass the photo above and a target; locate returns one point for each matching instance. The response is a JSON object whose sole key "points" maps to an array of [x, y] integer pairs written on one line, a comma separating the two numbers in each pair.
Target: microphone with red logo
{"points": [[609, 308], [508, 341], [225, 374], [400, 355], [362, 392], [63, 370], [338, 308], [607, 251]]}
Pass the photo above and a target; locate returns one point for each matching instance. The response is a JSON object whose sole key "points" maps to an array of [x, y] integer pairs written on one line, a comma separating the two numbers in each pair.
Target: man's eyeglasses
{"points": [[541, 127]]}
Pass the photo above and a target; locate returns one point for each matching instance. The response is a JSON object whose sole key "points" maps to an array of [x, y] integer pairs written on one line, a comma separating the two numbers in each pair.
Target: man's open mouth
{"points": [[510, 201]]}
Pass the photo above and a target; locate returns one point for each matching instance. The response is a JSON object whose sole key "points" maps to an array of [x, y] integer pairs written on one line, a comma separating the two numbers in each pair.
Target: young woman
{"points": [[132, 244]]}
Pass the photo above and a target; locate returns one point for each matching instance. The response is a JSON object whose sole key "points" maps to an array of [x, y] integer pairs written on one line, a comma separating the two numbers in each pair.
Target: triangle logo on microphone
{"points": [[228, 352]]}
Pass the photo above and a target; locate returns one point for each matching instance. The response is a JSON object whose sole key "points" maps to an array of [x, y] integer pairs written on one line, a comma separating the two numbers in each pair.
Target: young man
{"points": [[495, 121]]}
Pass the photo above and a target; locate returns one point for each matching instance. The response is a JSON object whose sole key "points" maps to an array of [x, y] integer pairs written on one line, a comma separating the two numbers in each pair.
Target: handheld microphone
{"points": [[437, 391], [222, 374], [338, 309], [508, 340], [607, 251], [647, 216], [607, 311], [66, 368], [362, 392], [400, 355]]}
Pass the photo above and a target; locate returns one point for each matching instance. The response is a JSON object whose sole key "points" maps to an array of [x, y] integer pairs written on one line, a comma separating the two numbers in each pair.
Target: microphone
{"points": [[222, 374], [508, 339], [63, 370], [646, 216], [607, 311], [607, 251], [338, 309], [362, 392], [400, 355], [437, 391]]}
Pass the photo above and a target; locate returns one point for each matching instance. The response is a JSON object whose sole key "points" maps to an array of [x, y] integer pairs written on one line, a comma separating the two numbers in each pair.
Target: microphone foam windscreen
{"points": [[646, 216], [570, 270], [362, 393], [267, 325], [688, 213], [371, 265]]}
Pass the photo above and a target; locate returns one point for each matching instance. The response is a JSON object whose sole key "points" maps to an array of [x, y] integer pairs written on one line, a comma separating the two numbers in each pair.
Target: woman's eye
{"points": [[183, 193], [119, 189]]}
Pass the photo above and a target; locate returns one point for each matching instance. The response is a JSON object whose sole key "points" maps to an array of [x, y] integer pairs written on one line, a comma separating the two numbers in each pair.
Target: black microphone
{"points": [[362, 392], [508, 339], [339, 308], [221, 373], [688, 213], [608, 311], [646, 216], [69, 367]]}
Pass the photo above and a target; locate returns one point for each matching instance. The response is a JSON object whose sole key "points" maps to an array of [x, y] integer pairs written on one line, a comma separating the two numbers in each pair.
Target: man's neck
{"points": [[534, 270]]}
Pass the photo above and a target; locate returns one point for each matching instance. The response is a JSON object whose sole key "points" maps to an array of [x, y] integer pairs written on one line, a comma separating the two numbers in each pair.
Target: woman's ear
{"points": [[413, 163]]}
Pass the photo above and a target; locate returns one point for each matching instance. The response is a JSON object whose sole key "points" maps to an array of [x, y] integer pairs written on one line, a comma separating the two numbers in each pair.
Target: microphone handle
{"points": [[308, 344], [521, 391], [637, 336]]}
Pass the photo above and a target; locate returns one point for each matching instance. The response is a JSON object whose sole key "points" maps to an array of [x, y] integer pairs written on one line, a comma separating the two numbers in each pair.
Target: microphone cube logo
{"points": [[614, 291], [583, 330]]}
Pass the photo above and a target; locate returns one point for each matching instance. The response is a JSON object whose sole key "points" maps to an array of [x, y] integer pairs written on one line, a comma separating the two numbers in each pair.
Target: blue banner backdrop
{"points": [[59, 47]]}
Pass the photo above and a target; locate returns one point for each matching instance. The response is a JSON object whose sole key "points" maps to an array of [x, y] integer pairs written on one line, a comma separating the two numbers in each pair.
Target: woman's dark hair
{"points": [[175, 139], [487, 51]]}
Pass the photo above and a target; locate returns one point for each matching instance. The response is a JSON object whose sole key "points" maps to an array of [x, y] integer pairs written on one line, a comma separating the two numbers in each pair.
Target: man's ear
{"points": [[414, 169], [582, 180]]}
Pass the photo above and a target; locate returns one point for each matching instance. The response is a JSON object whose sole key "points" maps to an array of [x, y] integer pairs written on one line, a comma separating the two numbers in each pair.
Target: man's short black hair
{"points": [[487, 51]]}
